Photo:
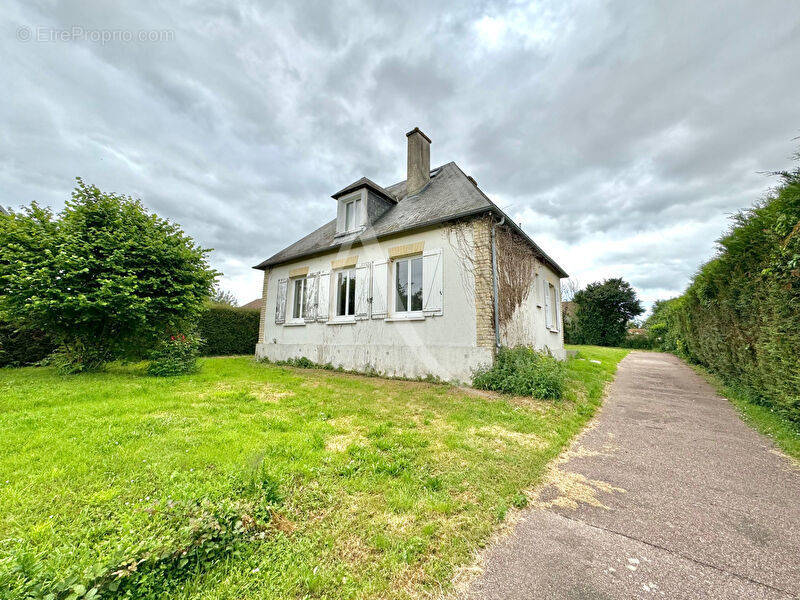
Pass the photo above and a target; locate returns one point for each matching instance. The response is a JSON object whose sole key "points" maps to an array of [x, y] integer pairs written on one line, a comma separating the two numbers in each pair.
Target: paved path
{"points": [[667, 495]]}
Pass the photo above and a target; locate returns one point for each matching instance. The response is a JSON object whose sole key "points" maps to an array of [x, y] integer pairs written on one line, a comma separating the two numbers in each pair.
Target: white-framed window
{"points": [[346, 293], [352, 214], [298, 298], [408, 285]]}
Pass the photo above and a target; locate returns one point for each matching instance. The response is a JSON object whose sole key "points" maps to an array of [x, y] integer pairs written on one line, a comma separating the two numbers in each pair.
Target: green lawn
{"points": [[249, 480]]}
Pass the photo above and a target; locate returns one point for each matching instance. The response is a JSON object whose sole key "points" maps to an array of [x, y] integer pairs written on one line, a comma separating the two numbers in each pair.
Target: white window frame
{"points": [[407, 314], [297, 320], [345, 317], [354, 204]]}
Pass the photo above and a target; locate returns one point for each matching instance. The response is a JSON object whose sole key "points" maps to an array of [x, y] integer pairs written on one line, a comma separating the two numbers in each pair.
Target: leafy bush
{"points": [[228, 330], [175, 356], [740, 317], [20, 347], [525, 372], [104, 277]]}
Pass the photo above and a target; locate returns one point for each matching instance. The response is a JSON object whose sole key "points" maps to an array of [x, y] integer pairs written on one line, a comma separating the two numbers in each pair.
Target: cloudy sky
{"points": [[621, 135]]}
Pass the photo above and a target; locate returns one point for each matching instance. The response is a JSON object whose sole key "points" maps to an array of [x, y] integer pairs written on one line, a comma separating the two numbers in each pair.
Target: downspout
{"points": [[495, 291]]}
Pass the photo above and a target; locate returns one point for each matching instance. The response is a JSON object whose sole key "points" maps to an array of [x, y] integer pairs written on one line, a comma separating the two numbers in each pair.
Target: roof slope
{"points": [[449, 195]]}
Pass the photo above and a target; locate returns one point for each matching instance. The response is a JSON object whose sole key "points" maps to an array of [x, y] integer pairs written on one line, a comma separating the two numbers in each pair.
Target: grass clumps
{"points": [[524, 372]]}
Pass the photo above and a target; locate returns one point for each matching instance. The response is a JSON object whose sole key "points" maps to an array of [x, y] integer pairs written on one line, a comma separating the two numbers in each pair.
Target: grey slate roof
{"points": [[448, 196]]}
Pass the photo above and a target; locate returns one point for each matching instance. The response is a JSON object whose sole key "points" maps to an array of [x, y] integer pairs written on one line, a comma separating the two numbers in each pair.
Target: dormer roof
{"points": [[364, 182]]}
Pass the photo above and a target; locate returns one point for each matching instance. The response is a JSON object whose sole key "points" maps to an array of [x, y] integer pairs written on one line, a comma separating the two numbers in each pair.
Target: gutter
{"points": [[495, 290]]}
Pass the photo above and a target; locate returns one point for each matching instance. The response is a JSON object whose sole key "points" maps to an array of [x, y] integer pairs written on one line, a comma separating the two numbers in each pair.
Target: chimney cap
{"points": [[419, 131]]}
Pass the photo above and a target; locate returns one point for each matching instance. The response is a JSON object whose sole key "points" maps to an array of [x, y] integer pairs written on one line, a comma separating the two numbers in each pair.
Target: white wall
{"points": [[442, 345], [527, 326]]}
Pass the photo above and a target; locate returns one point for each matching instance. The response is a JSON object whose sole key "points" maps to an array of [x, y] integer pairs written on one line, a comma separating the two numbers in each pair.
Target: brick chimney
{"points": [[419, 161]]}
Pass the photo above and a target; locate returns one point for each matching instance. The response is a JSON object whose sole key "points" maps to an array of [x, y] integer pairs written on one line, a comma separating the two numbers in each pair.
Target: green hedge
{"points": [[740, 317], [19, 348], [228, 330]]}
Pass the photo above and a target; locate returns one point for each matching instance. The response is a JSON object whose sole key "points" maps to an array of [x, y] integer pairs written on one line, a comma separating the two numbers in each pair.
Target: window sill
{"points": [[411, 317], [295, 324], [342, 321], [350, 232]]}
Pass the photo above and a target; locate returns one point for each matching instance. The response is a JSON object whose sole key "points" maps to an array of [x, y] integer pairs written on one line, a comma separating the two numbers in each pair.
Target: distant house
{"points": [[424, 277], [256, 304]]}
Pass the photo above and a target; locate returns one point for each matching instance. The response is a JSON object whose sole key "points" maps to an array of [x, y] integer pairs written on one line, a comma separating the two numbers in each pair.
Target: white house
{"points": [[424, 277]]}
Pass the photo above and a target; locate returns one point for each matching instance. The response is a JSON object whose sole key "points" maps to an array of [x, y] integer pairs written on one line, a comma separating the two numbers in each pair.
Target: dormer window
{"points": [[358, 204], [352, 213]]}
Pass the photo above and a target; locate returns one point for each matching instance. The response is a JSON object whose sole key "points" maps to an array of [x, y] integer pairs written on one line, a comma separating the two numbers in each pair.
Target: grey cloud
{"points": [[588, 121]]}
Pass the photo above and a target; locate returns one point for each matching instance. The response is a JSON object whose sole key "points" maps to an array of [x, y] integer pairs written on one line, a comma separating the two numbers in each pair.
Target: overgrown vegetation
{"points": [[524, 372], [105, 278], [740, 317], [247, 480], [227, 330], [175, 356]]}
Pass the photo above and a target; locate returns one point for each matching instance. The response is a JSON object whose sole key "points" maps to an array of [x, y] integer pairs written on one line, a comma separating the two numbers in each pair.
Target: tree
{"points": [[222, 296], [104, 277], [603, 310]]}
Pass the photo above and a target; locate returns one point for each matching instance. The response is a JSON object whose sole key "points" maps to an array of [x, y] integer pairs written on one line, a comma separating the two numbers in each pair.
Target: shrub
{"points": [[104, 277], [228, 330], [525, 372], [175, 356], [20, 347]]}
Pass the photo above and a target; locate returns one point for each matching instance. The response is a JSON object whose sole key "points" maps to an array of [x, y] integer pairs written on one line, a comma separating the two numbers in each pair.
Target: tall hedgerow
{"points": [[740, 317]]}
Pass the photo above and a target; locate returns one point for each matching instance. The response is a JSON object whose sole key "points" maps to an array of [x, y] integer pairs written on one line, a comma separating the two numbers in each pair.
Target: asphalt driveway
{"points": [[667, 495]]}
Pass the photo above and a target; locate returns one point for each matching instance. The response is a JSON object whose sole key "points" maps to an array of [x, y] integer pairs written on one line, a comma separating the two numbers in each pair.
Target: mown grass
{"points": [[363, 487], [763, 419]]}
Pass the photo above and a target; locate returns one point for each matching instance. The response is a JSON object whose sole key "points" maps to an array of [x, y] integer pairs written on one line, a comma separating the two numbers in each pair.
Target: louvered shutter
{"points": [[323, 296], [432, 282], [310, 309], [280, 305], [380, 281], [362, 291], [548, 313]]}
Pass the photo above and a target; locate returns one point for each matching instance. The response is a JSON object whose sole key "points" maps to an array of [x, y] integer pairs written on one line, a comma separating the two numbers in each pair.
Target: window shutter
{"points": [[380, 280], [310, 310], [432, 282], [362, 292], [323, 296], [280, 305], [548, 313]]}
